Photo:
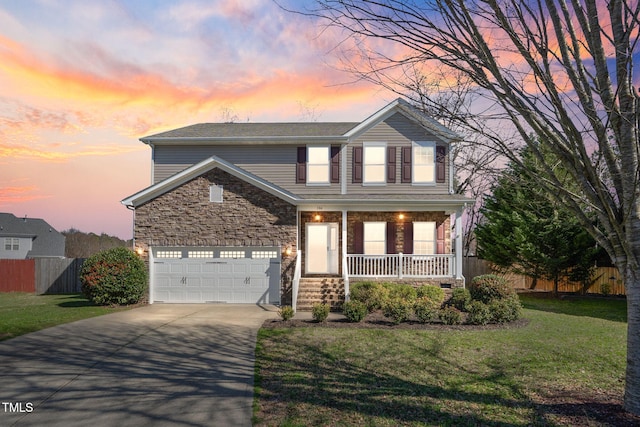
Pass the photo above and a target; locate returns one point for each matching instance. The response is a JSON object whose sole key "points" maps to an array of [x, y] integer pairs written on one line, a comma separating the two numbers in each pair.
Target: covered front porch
{"points": [[408, 245]]}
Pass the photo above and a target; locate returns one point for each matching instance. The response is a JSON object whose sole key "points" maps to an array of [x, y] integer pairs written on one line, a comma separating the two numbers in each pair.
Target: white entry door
{"points": [[322, 248]]}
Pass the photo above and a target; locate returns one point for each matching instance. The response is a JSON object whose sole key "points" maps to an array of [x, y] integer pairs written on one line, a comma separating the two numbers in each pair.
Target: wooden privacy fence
{"points": [[41, 275], [17, 275], [607, 280]]}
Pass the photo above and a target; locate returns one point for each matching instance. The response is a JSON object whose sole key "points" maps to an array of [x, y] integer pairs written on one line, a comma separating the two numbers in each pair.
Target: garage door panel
{"points": [[202, 279]]}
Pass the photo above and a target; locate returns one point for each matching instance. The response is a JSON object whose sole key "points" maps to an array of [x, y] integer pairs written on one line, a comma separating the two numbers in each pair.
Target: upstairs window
{"points": [[11, 244], [375, 158], [318, 165], [424, 162]]}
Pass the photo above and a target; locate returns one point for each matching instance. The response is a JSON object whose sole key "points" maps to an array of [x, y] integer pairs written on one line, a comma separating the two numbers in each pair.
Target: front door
{"points": [[322, 248]]}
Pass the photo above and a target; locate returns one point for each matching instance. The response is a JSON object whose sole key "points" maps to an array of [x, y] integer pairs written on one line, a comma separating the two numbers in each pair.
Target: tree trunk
{"points": [[632, 386]]}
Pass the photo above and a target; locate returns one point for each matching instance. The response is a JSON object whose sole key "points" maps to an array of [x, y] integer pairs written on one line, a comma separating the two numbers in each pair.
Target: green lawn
{"points": [[21, 313], [565, 367]]}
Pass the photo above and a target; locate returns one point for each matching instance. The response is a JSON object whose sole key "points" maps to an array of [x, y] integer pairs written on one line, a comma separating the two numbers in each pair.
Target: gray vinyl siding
{"points": [[396, 131], [274, 163]]}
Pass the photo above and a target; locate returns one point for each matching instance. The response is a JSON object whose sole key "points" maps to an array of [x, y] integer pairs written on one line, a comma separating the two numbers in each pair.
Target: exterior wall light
{"points": [[318, 217]]}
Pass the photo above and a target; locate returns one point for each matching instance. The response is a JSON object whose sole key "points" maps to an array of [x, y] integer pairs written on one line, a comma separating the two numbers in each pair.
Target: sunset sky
{"points": [[81, 81]]}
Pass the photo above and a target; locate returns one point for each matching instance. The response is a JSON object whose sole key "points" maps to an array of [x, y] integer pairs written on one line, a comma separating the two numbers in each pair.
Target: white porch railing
{"points": [[400, 265], [295, 285]]}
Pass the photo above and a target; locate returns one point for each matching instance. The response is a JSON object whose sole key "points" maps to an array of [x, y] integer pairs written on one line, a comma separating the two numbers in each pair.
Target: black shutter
{"points": [[391, 164], [391, 237], [357, 165], [406, 164], [358, 238], [301, 166], [440, 163], [335, 165], [408, 238]]}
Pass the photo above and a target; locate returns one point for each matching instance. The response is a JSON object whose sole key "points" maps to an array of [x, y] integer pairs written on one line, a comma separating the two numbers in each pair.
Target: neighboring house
{"points": [[251, 212], [23, 238]]}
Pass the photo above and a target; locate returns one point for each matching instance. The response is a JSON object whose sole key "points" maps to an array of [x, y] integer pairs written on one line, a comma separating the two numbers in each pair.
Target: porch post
{"points": [[345, 271], [459, 244]]}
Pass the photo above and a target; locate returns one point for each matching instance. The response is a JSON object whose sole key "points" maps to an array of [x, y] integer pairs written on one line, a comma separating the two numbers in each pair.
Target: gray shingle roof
{"points": [[47, 241], [259, 130]]}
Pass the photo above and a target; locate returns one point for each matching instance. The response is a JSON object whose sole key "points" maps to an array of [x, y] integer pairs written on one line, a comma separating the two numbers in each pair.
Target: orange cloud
{"points": [[16, 151], [19, 194]]}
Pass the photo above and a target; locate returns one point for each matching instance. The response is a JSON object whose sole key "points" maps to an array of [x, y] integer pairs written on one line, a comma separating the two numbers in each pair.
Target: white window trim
{"points": [[384, 237], [216, 193], [433, 240], [414, 145], [327, 163], [11, 244], [364, 163]]}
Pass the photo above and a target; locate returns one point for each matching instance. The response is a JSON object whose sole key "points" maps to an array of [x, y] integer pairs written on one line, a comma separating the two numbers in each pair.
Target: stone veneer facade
{"points": [[247, 216]]}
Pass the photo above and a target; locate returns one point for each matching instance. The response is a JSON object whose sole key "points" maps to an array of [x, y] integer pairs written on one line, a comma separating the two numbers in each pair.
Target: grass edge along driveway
{"points": [[565, 367], [22, 313]]}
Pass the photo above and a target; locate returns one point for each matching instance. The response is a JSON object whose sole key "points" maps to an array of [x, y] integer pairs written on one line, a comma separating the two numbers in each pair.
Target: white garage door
{"points": [[246, 275]]}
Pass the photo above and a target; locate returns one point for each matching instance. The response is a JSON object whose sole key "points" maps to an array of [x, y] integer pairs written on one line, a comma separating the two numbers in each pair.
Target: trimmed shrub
{"points": [[506, 310], [460, 298], [398, 310], [488, 287], [399, 291], [451, 316], [320, 312], [479, 313], [113, 277], [286, 312], [372, 294], [426, 309], [354, 311], [434, 293]]}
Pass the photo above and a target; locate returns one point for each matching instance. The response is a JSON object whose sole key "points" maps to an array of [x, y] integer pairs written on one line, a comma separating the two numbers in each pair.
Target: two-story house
{"points": [[254, 212], [25, 238]]}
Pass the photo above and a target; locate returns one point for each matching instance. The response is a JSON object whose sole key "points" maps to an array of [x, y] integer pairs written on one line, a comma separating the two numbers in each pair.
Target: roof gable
{"points": [[198, 169], [403, 107]]}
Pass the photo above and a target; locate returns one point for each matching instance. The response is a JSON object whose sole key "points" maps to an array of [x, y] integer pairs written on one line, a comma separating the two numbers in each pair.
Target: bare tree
{"points": [[559, 71], [449, 97]]}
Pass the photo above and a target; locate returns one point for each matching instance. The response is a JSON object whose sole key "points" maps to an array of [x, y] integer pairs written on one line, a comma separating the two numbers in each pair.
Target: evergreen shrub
{"points": [[451, 316], [372, 294], [354, 311], [460, 298], [320, 312], [114, 276], [286, 312], [398, 310], [426, 309], [434, 293], [488, 287]]}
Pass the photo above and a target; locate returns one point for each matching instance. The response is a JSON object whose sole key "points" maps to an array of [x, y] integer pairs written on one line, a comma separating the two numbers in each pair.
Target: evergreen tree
{"points": [[526, 232]]}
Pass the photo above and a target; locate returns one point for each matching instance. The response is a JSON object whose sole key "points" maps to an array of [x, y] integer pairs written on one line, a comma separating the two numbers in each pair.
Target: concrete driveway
{"points": [[158, 365]]}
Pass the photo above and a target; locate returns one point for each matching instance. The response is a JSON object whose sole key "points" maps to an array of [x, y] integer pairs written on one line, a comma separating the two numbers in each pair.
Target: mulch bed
{"points": [[379, 321]]}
